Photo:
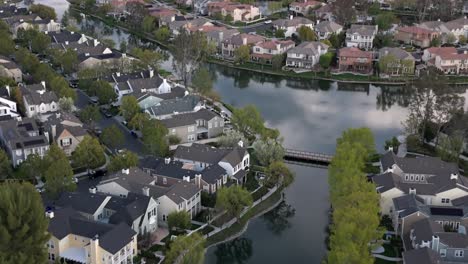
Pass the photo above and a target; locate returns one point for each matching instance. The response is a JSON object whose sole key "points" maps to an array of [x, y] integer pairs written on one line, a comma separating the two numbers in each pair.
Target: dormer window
{"points": [[416, 178], [423, 178], [406, 177]]}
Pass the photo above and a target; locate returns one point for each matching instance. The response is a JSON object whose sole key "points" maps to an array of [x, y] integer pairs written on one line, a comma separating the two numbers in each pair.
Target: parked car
{"points": [[268, 22], [105, 112], [94, 100], [125, 123], [97, 173]]}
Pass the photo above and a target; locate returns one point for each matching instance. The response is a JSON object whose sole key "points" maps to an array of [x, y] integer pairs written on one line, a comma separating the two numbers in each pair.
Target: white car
{"points": [[268, 22]]}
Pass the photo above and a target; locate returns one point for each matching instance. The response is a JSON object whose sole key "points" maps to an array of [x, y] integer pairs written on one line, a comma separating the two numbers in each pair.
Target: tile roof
{"points": [[352, 52], [273, 44], [415, 30]]}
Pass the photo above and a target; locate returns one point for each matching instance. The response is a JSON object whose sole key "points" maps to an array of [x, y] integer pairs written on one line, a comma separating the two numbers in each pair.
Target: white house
{"points": [[183, 196], [325, 29], [306, 55], [292, 25], [7, 106], [38, 101], [361, 36], [141, 86]]}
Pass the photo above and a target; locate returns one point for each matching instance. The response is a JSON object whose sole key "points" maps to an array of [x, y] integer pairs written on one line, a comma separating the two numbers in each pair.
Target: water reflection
{"points": [[278, 219], [237, 251]]}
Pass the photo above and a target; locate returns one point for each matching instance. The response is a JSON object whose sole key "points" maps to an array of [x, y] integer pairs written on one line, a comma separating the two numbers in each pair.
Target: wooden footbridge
{"points": [[307, 156]]}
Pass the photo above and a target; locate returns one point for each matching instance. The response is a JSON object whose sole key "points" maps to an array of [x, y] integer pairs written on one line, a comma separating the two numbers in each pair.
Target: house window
{"points": [[416, 178], [406, 177], [411, 177], [191, 128], [445, 200], [164, 180], [191, 137], [66, 142], [423, 177], [149, 215], [31, 108], [443, 252], [173, 131], [459, 253]]}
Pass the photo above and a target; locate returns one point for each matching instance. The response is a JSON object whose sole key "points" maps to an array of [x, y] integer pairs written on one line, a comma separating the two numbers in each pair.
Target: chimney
{"points": [[278, 46], [412, 191], [72, 32], [95, 42], [390, 148], [66, 42], [92, 190], [146, 191], [240, 143], [221, 36], [54, 130], [438, 20], [465, 51], [244, 41], [49, 214], [151, 73], [118, 74], [126, 171], [167, 160], [198, 180], [46, 32], [43, 84], [186, 178], [291, 17], [453, 176], [8, 90], [94, 249], [87, 54], [435, 243]]}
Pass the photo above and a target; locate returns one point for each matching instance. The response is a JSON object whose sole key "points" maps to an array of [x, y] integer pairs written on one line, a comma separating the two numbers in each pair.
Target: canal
{"points": [[310, 116]]}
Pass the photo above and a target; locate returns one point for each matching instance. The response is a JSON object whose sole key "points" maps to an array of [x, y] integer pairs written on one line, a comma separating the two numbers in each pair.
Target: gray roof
{"points": [[425, 228], [226, 34], [167, 107], [132, 182], [234, 156], [128, 209], [363, 30], [64, 36], [188, 118], [90, 46], [328, 27], [213, 173], [112, 238], [294, 22], [22, 134], [173, 169], [37, 94], [460, 201], [237, 40], [397, 52], [423, 255], [209, 154], [308, 48], [7, 63], [82, 202], [182, 191]]}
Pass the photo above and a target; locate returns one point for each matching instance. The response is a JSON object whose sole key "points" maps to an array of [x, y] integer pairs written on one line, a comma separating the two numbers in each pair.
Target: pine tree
{"points": [[23, 225]]}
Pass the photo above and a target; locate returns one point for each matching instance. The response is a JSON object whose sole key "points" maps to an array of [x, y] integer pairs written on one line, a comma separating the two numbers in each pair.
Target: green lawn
{"points": [[259, 193], [381, 261]]}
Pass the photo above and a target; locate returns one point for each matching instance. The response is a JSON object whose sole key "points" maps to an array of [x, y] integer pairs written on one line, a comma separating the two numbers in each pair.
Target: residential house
{"points": [[65, 37], [79, 240], [10, 69], [21, 22], [230, 45], [66, 130], [325, 13], [168, 108], [11, 10], [304, 7], [396, 61], [417, 36], [355, 60], [238, 12], [454, 28], [21, 138], [7, 105], [186, 23], [190, 127], [167, 172], [306, 55], [235, 161], [361, 36], [164, 15], [291, 26], [183, 196], [447, 60], [266, 50], [218, 35], [436, 182], [325, 29], [38, 100]]}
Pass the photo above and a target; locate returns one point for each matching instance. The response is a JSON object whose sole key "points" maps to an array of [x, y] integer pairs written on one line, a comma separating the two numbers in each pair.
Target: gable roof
{"points": [[82, 202], [172, 169], [208, 154], [37, 94], [134, 181], [294, 22], [188, 118], [328, 27], [167, 107], [213, 173], [182, 191], [353, 52], [420, 165], [308, 48], [363, 30], [128, 209], [397, 52]]}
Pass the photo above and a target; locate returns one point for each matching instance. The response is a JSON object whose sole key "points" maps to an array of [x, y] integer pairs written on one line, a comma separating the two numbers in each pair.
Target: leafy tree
{"points": [[326, 60], [66, 104], [178, 220], [231, 139], [186, 250], [139, 12], [277, 61], [108, 42], [450, 147], [104, 91], [36, 41], [89, 115], [268, 151], [17, 96], [462, 39], [202, 81], [279, 174], [248, 121], [89, 153], [7, 45], [374, 9], [112, 136], [307, 34], [385, 20], [27, 60], [58, 173], [154, 137], [392, 143], [383, 40], [362, 136], [124, 160], [45, 12], [147, 58], [162, 34], [389, 64], [279, 33], [5, 166], [337, 40], [148, 24], [228, 18], [69, 61], [34, 166], [139, 120], [123, 46], [242, 54], [344, 13], [129, 107], [233, 199], [23, 225], [436, 42], [451, 39]]}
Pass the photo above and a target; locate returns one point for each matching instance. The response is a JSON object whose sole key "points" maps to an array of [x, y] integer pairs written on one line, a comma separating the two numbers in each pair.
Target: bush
{"points": [[173, 139], [208, 200]]}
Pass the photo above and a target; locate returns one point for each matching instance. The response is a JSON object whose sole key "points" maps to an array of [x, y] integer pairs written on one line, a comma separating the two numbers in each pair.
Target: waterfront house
{"points": [[79, 240], [163, 15], [66, 130], [7, 105], [238, 12], [182, 196], [355, 60], [396, 61], [265, 51], [38, 100], [304, 7], [306, 55], [324, 13], [455, 28], [186, 23], [231, 44], [325, 29], [190, 127], [291, 26], [447, 60], [218, 35], [172, 107], [21, 138], [434, 181], [415, 35], [10, 69], [65, 37], [11, 10], [361, 36]]}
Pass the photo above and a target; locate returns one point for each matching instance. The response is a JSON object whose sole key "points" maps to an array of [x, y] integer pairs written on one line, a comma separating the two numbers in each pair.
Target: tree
{"points": [[36, 41], [66, 104], [162, 34], [233, 199], [279, 33], [389, 64], [124, 160], [436, 42], [60, 86], [231, 139], [89, 153], [154, 137], [228, 18], [385, 20], [58, 173], [104, 91], [5, 166], [139, 12], [147, 58], [383, 40], [89, 115], [277, 61], [69, 61], [202, 81], [242, 54], [248, 121], [451, 39], [326, 60], [450, 147], [337, 40], [7, 45], [186, 250], [123, 46], [307, 34], [129, 107], [27, 60], [17, 96], [112, 136], [148, 24], [45, 12], [23, 225], [268, 151], [344, 13], [374, 9], [139, 120], [274, 6], [462, 39], [278, 174], [178, 220], [362, 136]]}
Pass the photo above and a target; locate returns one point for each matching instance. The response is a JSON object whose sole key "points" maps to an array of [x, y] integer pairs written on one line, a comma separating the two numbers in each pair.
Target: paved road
{"points": [[130, 142]]}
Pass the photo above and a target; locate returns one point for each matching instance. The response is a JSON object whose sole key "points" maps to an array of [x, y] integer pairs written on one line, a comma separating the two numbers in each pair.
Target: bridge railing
{"points": [[312, 155]]}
